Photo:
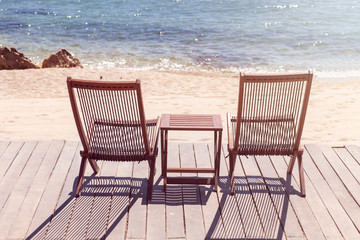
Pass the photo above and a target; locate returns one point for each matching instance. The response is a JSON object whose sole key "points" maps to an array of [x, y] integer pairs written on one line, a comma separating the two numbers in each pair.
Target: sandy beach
{"points": [[34, 104]]}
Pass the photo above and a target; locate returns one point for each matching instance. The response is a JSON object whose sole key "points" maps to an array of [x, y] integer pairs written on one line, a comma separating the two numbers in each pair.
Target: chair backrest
{"points": [[107, 105], [271, 113]]}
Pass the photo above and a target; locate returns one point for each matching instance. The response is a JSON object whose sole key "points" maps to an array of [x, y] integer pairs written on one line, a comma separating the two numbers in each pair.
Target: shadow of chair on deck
{"points": [[104, 203], [246, 215], [90, 217], [250, 213]]}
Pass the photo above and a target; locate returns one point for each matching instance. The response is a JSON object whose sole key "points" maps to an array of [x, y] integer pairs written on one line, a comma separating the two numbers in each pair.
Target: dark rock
{"points": [[10, 58], [61, 59]]}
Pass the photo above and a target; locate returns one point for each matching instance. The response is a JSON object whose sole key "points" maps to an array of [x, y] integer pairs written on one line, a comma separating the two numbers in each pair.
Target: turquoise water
{"points": [[228, 35]]}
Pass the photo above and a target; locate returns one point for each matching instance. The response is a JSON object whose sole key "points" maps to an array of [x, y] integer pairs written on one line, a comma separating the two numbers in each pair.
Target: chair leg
{"points": [[301, 176], [94, 165], [150, 167], [301, 170], [81, 176], [232, 159], [151, 179], [291, 164]]}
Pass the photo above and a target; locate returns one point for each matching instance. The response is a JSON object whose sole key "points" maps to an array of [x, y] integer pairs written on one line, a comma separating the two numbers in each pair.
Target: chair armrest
{"points": [[155, 137], [229, 132]]}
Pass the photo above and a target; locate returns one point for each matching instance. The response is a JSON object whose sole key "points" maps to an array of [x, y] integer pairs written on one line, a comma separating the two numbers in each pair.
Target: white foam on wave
{"points": [[181, 65]]}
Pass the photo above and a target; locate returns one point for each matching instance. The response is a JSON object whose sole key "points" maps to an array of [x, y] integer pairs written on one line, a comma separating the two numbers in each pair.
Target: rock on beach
{"points": [[10, 59], [61, 59]]}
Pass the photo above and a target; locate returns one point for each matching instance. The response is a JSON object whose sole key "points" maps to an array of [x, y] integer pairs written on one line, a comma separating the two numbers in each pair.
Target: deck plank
{"points": [[353, 168], [32, 198], [340, 216], [12, 174], [266, 209], [80, 208], [284, 200], [175, 225], [55, 187], [63, 156], [343, 184], [208, 197], [120, 204], [355, 152], [40, 198], [241, 218], [230, 225], [58, 222], [301, 207], [17, 195], [62, 215], [8, 156], [138, 195], [3, 146], [194, 223], [323, 218], [102, 196], [345, 167], [156, 207], [68, 190]]}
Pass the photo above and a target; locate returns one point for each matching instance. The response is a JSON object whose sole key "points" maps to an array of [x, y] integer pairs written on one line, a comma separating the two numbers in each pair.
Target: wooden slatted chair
{"points": [[270, 119], [111, 123]]}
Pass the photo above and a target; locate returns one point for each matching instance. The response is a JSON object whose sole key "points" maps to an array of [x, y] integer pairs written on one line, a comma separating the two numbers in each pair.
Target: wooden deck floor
{"points": [[37, 196]]}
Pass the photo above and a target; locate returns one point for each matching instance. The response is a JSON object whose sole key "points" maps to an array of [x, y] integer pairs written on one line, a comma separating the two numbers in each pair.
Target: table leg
{"points": [[217, 154], [164, 152], [215, 159]]}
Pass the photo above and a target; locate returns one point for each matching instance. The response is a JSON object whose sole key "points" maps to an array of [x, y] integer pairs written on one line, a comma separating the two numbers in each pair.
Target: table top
{"points": [[191, 122]]}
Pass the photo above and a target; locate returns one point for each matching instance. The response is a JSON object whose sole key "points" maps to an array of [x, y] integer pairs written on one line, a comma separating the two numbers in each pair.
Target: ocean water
{"points": [[191, 35]]}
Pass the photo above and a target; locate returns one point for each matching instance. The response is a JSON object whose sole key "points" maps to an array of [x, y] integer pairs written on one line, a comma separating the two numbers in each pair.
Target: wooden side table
{"points": [[191, 122]]}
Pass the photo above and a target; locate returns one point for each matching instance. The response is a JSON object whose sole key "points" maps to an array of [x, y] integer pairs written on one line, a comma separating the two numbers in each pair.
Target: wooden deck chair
{"points": [[111, 123], [270, 119]]}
